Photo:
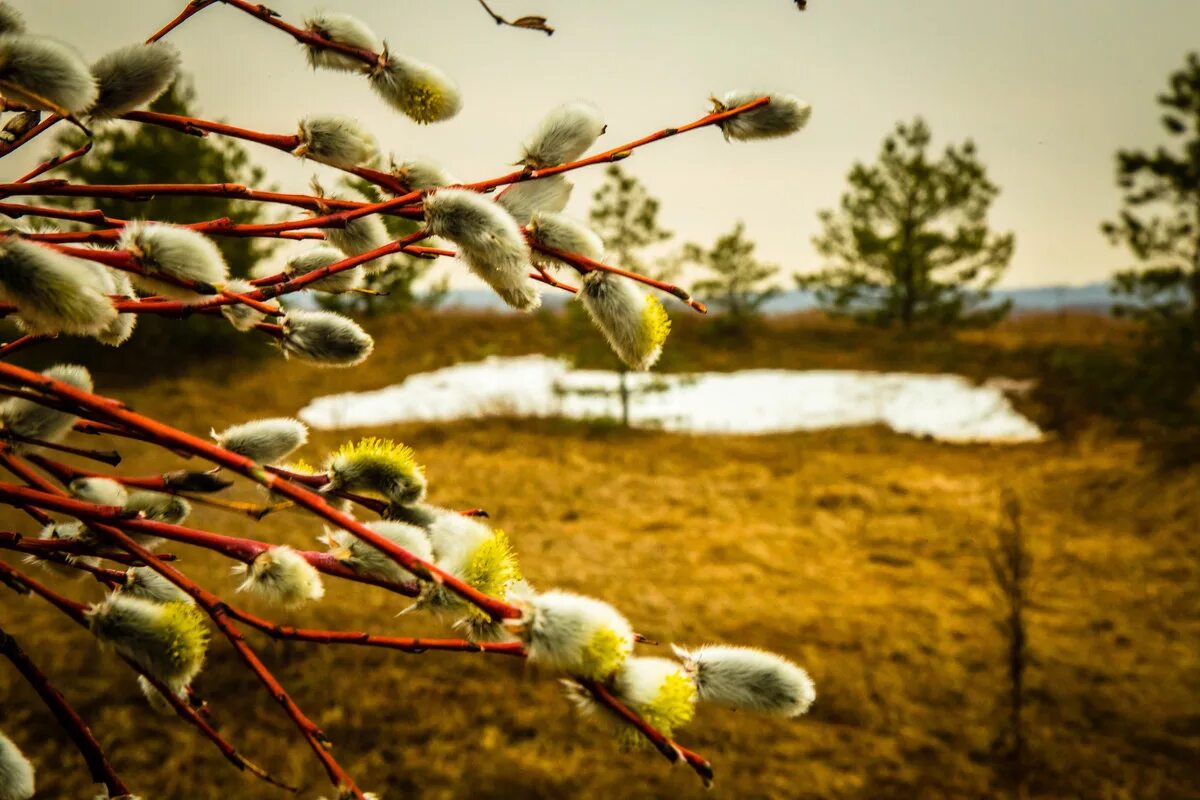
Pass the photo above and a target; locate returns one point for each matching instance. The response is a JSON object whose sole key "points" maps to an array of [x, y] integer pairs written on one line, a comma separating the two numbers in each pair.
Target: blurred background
{"points": [[937, 439]]}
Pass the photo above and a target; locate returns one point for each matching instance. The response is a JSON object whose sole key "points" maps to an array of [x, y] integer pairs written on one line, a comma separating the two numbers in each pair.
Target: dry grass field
{"points": [[859, 553]]}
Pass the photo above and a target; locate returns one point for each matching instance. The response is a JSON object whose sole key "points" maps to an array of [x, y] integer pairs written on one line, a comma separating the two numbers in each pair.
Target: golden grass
{"points": [[858, 553]]}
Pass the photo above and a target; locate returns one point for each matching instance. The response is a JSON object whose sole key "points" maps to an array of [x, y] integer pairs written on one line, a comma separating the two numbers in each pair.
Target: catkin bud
{"points": [[783, 116], [563, 135], [146, 584], [35, 421], [175, 252], [16, 772], [659, 690], [379, 467], [53, 292], [101, 491], [325, 339], [168, 640], [267, 441], [336, 140], [159, 507], [371, 562], [574, 634], [241, 316], [283, 577], [318, 258], [419, 175], [18, 125], [489, 242], [343, 29], [634, 323], [563, 233], [11, 20], [361, 235], [523, 199], [117, 332], [487, 563], [746, 678], [132, 77], [420, 91], [64, 531], [44, 73]]}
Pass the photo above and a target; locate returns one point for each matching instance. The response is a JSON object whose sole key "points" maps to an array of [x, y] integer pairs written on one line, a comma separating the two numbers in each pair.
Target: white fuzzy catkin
{"points": [[367, 560], [746, 678], [575, 634], [176, 252], [117, 332], [267, 441], [783, 116], [454, 538], [566, 233], [318, 258], [325, 338], [489, 242], [145, 583], [159, 507], [419, 175], [44, 73], [283, 577], [240, 315], [361, 235], [27, 418], [523, 199], [336, 140], [379, 467], [634, 322], [11, 20], [53, 292], [420, 91], [101, 491], [132, 77], [16, 773], [563, 135], [343, 29], [168, 640]]}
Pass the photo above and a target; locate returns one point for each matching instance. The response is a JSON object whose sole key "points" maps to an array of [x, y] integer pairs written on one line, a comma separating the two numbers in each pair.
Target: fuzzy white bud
{"points": [[371, 562], [175, 252], [168, 640], [159, 507], [241, 316], [489, 242], [145, 583], [564, 233], [336, 140], [419, 175], [343, 29], [325, 339], [746, 678], [29, 419], [574, 634], [11, 20], [658, 689], [420, 91], [563, 135], [16, 772], [53, 292], [318, 258], [378, 466], [783, 116], [361, 235], [117, 332], [634, 322], [101, 491], [44, 73], [523, 199], [132, 77], [283, 577], [267, 441]]}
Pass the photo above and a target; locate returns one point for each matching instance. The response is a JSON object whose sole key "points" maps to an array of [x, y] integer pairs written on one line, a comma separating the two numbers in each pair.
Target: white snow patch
{"points": [[946, 407]]}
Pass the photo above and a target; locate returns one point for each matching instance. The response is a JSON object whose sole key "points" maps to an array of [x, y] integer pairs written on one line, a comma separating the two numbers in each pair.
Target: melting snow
{"points": [[946, 407]]}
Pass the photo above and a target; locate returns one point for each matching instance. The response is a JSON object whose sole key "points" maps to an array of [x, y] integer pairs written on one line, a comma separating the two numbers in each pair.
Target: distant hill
{"points": [[1043, 298]]}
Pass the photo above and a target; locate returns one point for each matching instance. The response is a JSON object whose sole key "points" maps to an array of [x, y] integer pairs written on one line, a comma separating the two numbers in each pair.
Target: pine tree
{"points": [[910, 243], [739, 286]]}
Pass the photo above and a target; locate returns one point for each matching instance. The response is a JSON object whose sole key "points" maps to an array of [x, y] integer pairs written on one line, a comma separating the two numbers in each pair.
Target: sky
{"points": [[1048, 90]]}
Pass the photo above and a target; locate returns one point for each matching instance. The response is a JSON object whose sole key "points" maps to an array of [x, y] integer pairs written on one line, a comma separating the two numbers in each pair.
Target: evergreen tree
{"points": [[625, 217], [739, 285], [910, 243]]}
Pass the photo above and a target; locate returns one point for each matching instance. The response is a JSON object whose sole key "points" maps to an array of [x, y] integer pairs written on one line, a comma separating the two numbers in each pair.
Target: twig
{"points": [[531, 22]]}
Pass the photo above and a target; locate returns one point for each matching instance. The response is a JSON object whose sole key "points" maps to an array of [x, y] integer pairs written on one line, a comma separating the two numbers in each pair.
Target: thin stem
{"points": [[370, 59], [191, 8], [17, 345], [57, 161], [102, 771]]}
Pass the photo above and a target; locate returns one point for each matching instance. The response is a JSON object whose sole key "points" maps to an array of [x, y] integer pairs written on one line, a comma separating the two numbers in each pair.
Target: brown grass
{"points": [[859, 553]]}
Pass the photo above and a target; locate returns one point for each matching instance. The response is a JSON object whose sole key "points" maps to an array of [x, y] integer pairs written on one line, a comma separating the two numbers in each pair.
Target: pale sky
{"points": [[1049, 90]]}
